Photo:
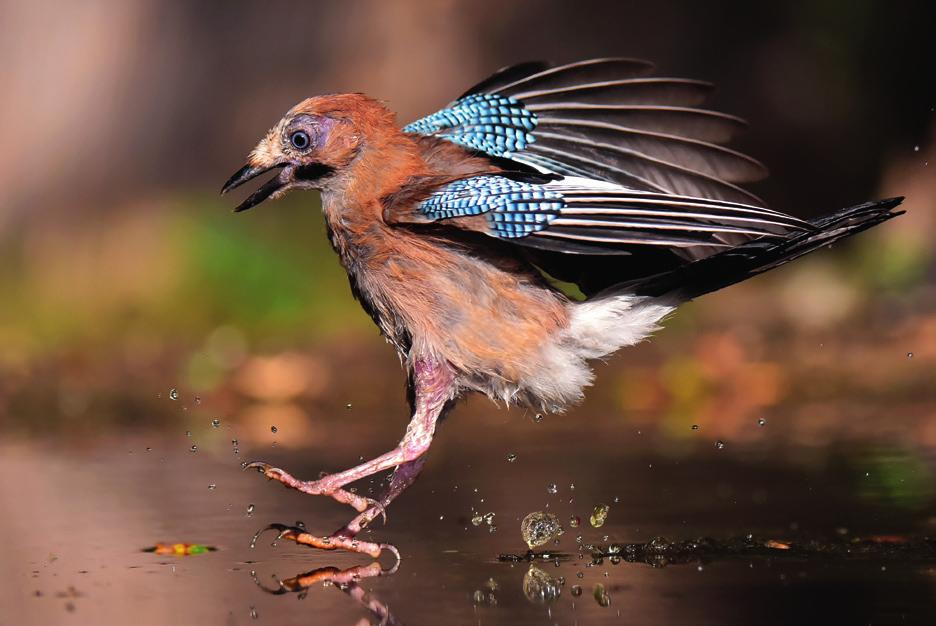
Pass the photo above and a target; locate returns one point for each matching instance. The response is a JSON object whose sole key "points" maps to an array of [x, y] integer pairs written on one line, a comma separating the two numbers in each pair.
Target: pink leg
{"points": [[344, 537], [432, 384]]}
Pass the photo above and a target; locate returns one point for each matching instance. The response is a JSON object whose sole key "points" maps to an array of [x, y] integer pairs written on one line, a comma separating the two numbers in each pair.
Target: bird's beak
{"points": [[248, 172]]}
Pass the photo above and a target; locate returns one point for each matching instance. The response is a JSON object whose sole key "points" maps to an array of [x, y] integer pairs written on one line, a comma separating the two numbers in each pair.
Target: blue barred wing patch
{"points": [[493, 124], [513, 208]]}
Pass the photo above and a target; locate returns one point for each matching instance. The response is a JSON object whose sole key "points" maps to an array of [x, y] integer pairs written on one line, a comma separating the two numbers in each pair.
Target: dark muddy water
{"points": [[76, 516]]}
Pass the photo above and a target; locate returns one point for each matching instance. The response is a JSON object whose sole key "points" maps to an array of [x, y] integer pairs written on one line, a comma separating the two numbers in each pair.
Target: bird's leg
{"points": [[344, 538], [403, 476], [432, 385]]}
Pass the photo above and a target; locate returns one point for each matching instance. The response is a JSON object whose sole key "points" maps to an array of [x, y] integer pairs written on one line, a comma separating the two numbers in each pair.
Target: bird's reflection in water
{"points": [[345, 580]]}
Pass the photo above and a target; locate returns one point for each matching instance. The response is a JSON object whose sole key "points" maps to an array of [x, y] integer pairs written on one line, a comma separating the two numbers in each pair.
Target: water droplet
{"points": [[576, 590], [909, 355], [762, 422], [511, 457], [188, 433], [300, 524], [273, 429], [197, 400], [551, 488], [253, 613], [476, 520], [601, 595], [538, 418], [216, 422], [916, 148], [173, 394], [348, 406], [250, 509], [212, 487], [574, 521], [539, 528], [580, 574], [148, 449], [719, 444], [695, 427], [599, 515], [193, 448]]}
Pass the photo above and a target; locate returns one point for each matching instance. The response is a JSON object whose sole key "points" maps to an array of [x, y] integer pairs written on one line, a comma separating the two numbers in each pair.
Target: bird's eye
{"points": [[300, 140]]}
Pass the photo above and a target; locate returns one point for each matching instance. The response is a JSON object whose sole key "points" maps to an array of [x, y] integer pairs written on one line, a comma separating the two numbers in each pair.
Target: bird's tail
{"points": [[759, 255]]}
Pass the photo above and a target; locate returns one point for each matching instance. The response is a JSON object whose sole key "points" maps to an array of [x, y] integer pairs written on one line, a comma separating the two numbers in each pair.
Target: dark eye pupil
{"points": [[300, 140]]}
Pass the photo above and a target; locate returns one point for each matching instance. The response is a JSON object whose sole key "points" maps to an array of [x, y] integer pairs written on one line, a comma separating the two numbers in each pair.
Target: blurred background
{"points": [[133, 302], [124, 274]]}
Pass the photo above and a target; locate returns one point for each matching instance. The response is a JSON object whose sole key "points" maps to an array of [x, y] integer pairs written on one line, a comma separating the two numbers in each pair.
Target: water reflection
{"points": [[557, 583], [540, 587], [345, 580]]}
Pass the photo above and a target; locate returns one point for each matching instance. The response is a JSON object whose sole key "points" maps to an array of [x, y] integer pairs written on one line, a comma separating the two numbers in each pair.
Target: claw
{"points": [[391, 548], [380, 508], [260, 466]]}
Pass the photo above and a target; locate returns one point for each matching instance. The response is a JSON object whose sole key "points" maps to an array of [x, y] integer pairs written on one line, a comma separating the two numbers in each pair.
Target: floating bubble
{"points": [[539, 528]]}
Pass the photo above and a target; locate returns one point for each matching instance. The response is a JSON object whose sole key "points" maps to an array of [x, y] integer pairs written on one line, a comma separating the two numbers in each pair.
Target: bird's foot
{"points": [[337, 541], [324, 486]]}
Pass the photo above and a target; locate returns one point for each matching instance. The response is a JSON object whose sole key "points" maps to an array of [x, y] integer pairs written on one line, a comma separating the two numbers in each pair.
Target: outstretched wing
{"points": [[582, 216], [604, 119]]}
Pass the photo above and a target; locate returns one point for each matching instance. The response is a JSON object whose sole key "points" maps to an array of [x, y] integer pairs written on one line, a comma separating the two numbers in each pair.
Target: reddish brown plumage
{"points": [[425, 291]]}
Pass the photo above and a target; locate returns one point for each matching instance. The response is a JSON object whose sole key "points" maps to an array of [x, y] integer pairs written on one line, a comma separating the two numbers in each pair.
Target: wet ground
{"points": [[822, 535]]}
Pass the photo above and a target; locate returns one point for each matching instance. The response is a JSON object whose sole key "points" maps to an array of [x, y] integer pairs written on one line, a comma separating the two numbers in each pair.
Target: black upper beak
{"points": [[247, 173]]}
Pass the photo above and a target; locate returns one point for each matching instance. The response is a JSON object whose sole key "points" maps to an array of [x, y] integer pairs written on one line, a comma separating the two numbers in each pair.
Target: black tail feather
{"points": [[759, 255]]}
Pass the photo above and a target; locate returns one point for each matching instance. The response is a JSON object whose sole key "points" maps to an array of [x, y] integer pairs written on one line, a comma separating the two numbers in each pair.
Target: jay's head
{"points": [[313, 146]]}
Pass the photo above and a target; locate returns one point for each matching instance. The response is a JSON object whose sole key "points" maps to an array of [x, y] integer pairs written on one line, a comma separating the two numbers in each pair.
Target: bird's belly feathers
{"points": [[503, 334]]}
